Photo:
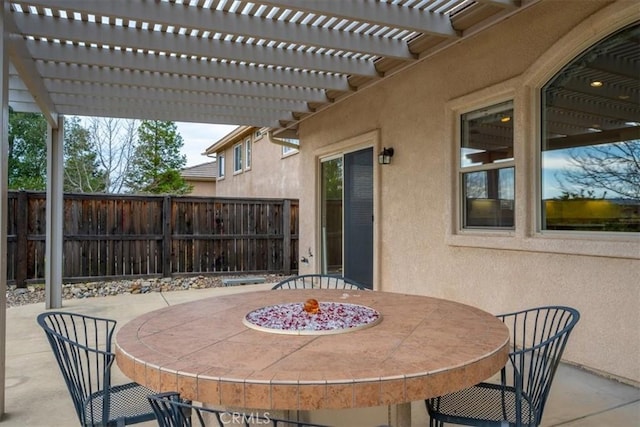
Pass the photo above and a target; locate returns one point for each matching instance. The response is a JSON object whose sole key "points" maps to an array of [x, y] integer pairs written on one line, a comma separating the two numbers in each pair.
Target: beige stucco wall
{"points": [[271, 175], [418, 247], [202, 188]]}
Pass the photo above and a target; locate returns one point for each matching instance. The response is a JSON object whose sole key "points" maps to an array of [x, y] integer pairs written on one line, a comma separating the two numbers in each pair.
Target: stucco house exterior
{"points": [[420, 242], [250, 163], [202, 178], [423, 231]]}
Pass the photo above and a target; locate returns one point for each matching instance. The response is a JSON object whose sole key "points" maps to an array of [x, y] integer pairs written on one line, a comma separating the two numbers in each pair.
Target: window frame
{"points": [[462, 171], [287, 151], [247, 153], [237, 158], [543, 84], [220, 159]]}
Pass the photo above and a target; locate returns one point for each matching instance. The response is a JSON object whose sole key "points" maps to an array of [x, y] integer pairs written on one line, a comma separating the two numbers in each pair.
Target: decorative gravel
{"points": [[33, 294], [333, 318]]}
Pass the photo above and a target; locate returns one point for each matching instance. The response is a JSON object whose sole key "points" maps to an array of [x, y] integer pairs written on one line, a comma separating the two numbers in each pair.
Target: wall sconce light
{"points": [[384, 158]]}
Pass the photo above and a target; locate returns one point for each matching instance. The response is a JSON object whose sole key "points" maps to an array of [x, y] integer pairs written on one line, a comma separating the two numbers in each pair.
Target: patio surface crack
{"points": [[165, 300], [596, 413]]}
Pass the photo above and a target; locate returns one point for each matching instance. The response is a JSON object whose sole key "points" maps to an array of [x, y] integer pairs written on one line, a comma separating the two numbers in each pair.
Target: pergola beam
{"points": [[172, 115], [155, 41], [56, 52], [159, 105], [24, 65], [247, 26], [506, 4], [64, 92], [87, 74], [370, 11], [148, 105]]}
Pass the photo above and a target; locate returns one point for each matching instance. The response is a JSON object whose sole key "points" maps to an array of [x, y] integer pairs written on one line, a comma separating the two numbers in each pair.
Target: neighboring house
{"points": [[250, 163], [202, 177], [469, 207]]}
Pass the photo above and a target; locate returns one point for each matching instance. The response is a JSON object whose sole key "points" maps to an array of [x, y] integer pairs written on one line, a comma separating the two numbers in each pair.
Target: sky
{"points": [[197, 137]]}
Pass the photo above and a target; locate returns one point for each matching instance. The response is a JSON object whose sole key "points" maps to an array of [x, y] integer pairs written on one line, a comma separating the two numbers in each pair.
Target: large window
{"points": [[590, 150], [237, 158], [487, 168]]}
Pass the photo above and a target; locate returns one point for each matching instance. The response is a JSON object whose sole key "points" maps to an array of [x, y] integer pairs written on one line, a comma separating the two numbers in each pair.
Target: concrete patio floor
{"points": [[37, 396]]}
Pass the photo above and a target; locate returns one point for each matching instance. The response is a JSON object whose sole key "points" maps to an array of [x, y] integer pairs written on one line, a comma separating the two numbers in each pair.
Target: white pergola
{"points": [[259, 63]]}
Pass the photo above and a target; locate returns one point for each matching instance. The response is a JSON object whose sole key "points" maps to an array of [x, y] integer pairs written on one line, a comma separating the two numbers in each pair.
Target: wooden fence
{"points": [[119, 236]]}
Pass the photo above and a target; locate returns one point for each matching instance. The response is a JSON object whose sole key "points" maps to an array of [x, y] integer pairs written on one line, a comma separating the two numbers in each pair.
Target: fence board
{"points": [[118, 236]]}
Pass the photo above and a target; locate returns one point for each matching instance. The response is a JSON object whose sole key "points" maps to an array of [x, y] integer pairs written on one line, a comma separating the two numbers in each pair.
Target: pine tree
{"points": [[27, 151], [157, 161]]}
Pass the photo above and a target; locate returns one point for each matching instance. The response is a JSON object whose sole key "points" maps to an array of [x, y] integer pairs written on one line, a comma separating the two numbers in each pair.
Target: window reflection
{"points": [[332, 201], [489, 198], [486, 163], [590, 155]]}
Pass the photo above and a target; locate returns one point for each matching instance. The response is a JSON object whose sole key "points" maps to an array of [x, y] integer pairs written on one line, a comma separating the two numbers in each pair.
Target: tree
{"points": [[606, 169], [332, 179], [27, 151], [81, 169], [114, 141], [155, 167]]}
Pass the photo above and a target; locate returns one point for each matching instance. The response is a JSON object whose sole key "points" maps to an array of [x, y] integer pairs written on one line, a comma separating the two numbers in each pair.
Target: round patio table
{"points": [[423, 347]]}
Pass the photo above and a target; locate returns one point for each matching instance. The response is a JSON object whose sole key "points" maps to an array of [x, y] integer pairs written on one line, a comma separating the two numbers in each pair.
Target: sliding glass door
{"points": [[347, 215]]}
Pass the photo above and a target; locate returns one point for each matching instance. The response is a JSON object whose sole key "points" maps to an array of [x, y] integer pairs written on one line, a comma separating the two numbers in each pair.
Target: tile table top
{"points": [[423, 347]]}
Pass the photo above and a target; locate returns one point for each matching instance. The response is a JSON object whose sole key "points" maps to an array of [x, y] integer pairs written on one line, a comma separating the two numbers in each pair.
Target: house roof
{"points": [[231, 138], [260, 63], [202, 172]]}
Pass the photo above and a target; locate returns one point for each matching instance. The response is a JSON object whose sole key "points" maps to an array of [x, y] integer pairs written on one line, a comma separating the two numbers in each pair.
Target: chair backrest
{"points": [[82, 347], [318, 281], [538, 339], [171, 411]]}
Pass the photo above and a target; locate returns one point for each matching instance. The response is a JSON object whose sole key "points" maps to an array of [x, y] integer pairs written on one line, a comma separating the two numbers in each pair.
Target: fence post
{"points": [[166, 236], [286, 237], [22, 218]]}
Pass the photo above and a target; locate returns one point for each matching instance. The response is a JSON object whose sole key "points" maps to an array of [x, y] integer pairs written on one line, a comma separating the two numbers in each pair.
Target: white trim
{"points": [[248, 152], [289, 154], [222, 165], [234, 150], [288, 151]]}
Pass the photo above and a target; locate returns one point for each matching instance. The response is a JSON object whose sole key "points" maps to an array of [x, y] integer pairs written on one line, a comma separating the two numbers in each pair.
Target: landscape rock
{"points": [[33, 294]]}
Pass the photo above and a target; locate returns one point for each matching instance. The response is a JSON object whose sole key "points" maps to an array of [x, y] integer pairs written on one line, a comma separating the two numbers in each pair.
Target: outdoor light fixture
{"points": [[384, 158]]}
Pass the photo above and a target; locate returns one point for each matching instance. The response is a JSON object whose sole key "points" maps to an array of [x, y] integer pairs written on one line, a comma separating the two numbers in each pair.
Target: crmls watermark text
{"points": [[253, 418]]}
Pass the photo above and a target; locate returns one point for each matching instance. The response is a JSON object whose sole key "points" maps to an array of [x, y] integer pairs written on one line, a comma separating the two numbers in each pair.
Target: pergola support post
{"points": [[4, 209], [55, 200]]}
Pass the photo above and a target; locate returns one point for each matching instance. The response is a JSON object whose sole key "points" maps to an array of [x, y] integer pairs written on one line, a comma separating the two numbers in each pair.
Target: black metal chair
{"points": [[171, 411], [538, 339], [319, 281], [82, 347]]}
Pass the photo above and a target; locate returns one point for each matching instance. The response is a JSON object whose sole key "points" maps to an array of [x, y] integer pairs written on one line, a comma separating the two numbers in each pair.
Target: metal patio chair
{"points": [[538, 339], [171, 411], [82, 347], [319, 281]]}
